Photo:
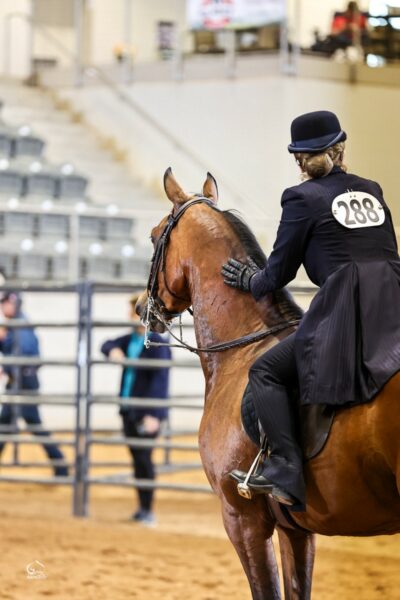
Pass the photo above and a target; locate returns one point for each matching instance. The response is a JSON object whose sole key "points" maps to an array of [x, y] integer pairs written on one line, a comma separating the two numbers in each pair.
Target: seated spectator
{"points": [[141, 422], [349, 28], [23, 342]]}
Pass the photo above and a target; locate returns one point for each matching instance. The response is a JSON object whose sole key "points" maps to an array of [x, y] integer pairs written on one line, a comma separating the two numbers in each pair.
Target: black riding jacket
{"points": [[340, 228]]}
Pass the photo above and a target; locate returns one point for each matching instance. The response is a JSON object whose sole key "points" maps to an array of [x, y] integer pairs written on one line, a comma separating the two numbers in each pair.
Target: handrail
{"points": [[124, 97]]}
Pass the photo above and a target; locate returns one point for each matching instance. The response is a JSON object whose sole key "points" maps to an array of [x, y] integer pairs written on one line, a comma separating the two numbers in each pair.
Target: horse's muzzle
{"points": [[156, 325], [142, 309]]}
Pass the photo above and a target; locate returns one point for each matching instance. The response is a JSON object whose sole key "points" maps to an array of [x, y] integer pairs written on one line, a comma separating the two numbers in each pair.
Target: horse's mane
{"points": [[246, 237], [281, 298]]}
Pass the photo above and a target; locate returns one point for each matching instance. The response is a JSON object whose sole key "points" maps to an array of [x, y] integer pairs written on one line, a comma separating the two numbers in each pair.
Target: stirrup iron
{"points": [[243, 488]]}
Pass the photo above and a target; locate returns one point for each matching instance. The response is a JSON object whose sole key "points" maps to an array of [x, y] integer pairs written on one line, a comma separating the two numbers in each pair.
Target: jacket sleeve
{"points": [[28, 343], [289, 248], [119, 342]]}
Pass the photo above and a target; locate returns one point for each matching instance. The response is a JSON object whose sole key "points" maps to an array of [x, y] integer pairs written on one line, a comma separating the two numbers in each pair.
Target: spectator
{"points": [[23, 342], [349, 28], [141, 422], [348, 32]]}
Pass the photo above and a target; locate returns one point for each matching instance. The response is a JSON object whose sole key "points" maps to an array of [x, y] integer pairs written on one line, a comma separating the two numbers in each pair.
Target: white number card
{"points": [[358, 209]]}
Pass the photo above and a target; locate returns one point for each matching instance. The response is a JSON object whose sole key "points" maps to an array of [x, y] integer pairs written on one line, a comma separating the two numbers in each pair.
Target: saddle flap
{"points": [[315, 424]]}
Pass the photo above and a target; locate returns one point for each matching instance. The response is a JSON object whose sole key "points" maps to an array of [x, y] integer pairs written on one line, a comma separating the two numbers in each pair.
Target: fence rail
{"points": [[82, 400], [81, 437]]}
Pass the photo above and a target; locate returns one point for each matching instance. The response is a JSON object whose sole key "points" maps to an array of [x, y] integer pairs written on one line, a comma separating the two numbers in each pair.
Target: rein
{"points": [[157, 264]]}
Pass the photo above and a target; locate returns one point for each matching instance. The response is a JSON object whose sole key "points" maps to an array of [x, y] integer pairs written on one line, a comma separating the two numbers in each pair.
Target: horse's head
{"points": [[168, 293]]}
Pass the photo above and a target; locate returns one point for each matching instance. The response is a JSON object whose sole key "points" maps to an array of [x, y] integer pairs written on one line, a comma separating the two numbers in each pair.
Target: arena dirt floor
{"points": [[187, 556]]}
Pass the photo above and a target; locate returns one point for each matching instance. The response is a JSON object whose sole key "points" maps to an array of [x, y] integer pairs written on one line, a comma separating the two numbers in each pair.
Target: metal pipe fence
{"points": [[81, 438], [82, 435]]}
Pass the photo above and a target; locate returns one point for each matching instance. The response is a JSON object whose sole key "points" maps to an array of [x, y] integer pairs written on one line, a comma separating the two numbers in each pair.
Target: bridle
{"points": [[156, 308], [158, 259]]}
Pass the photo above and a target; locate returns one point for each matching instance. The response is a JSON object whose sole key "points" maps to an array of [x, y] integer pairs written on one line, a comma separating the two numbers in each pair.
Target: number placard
{"points": [[358, 209]]}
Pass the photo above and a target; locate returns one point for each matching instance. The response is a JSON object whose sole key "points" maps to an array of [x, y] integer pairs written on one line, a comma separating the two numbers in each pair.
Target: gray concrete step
{"points": [[70, 141]]}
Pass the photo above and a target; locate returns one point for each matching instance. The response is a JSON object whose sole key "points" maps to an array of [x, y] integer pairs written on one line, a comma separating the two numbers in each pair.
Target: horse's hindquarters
{"points": [[353, 486]]}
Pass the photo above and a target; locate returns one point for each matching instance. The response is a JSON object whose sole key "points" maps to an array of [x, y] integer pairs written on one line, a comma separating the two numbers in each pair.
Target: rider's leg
{"points": [[272, 377]]}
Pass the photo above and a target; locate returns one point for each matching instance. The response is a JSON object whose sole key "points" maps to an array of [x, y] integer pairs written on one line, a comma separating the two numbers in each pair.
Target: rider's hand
{"points": [[238, 274]]}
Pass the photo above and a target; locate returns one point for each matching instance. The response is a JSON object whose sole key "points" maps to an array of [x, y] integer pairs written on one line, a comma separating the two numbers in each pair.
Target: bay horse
{"points": [[353, 485]]}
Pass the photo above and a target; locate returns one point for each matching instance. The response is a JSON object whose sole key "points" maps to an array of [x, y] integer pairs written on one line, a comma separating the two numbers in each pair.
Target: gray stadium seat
{"points": [[6, 140], [53, 225], [91, 227], [32, 265], [134, 269], [19, 224], [71, 184], [20, 141], [7, 264], [59, 267], [11, 180], [118, 228], [98, 267], [26, 143], [41, 182]]}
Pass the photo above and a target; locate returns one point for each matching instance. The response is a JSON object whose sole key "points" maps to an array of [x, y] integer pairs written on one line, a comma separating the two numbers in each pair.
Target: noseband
{"points": [[156, 307]]}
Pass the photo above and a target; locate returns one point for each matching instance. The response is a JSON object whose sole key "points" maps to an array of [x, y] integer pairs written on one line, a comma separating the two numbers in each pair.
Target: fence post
{"points": [[88, 396], [16, 381], [79, 508]]}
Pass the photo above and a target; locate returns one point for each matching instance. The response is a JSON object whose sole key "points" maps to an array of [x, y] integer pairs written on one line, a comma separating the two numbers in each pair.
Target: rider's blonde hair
{"points": [[314, 166]]}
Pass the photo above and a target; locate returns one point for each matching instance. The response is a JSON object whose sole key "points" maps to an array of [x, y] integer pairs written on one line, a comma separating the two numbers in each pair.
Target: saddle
{"points": [[315, 425]]}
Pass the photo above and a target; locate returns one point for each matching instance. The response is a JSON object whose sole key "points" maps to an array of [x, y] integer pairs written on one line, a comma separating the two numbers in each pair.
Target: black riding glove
{"points": [[238, 274]]}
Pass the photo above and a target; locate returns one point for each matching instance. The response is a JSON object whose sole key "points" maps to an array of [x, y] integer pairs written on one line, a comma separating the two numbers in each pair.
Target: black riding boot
{"points": [[284, 465]]}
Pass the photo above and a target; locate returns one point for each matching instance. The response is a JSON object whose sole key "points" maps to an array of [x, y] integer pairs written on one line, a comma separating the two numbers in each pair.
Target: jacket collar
{"points": [[336, 169]]}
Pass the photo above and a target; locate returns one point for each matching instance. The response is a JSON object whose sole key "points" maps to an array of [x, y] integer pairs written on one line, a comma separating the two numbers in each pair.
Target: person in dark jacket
{"points": [[23, 341], [141, 383], [348, 344]]}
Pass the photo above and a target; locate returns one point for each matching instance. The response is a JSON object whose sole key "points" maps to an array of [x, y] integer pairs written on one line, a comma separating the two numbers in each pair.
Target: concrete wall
{"points": [[15, 39], [240, 130], [108, 26]]}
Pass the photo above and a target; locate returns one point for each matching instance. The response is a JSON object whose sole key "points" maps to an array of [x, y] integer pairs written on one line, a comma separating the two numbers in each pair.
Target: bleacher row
{"points": [[36, 240]]}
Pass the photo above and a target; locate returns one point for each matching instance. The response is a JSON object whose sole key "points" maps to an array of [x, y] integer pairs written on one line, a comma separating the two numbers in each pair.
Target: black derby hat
{"points": [[315, 132]]}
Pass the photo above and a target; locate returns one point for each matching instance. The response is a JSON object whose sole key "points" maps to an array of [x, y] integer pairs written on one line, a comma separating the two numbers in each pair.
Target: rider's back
{"points": [[330, 244]]}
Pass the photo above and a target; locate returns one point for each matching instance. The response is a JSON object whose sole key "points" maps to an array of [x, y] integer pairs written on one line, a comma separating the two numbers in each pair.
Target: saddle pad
{"points": [[249, 417], [316, 423]]}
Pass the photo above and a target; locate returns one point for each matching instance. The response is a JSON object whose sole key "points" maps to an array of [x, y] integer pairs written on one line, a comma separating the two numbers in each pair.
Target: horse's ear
{"points": [[173, 190], [210, 188]]}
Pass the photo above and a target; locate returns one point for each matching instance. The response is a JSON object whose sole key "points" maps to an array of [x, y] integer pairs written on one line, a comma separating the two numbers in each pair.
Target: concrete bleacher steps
{"points": [[37, 185]]}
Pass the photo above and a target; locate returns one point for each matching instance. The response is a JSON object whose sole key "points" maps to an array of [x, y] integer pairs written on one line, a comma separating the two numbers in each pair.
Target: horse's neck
{"points": [[221, 313]]}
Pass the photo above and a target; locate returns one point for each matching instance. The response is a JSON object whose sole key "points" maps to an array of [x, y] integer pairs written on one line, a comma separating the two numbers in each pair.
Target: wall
{"points": [[240, 130], [108, 26], [20, 39]]}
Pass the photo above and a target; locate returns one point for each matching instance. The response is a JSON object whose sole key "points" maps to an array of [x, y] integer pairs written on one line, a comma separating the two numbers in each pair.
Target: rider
{"points": [[348, 343]]}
